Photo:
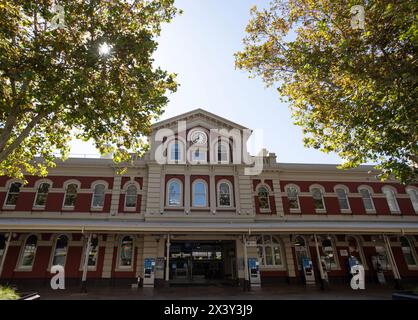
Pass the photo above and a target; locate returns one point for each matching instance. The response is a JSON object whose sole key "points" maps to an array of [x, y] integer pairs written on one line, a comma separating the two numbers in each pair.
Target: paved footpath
{"points": [[282, 292]]}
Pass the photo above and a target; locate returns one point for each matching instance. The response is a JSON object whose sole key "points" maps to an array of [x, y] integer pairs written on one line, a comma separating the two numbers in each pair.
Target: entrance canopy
{"points": [[113, 225]]}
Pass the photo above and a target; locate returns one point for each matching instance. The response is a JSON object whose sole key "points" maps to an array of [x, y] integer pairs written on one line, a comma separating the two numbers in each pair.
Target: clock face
{"points": [[199, 137]]}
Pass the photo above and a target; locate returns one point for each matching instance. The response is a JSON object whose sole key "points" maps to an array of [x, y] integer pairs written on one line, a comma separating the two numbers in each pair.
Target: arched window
{"points": [[70, 195], [175, 151], [366, 196], [28, 254], [301, 251], [131, 196], [224, 194], [13, 194], [329, 257], [342, 198], [174, 193], [413, 195], [98, 196], [318, 197], [223, 152], [199, 194], [126, 252], [263, 198], [354, 249], [60, 252], [42, 194], [269, 253], [293, 197], [391, 199], [408, 252]]}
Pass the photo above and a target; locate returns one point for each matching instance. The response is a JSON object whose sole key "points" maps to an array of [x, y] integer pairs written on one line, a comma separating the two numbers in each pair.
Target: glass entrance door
{"points": [[199, 262]]}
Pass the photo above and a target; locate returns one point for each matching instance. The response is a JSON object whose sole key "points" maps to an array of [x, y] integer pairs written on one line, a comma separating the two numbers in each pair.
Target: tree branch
{"points": [[23, 135]]}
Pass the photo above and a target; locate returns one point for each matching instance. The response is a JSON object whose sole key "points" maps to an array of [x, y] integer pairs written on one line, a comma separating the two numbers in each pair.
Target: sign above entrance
{"points": [[251, 243]]}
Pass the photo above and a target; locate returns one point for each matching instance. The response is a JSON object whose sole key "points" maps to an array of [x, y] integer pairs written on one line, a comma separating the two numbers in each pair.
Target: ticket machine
{"points": [[149, 272], [308, 272], [254, 272]]}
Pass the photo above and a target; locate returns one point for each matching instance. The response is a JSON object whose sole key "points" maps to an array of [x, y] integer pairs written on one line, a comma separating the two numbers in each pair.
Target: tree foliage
{"points": [[353, 91], [54, 84]]}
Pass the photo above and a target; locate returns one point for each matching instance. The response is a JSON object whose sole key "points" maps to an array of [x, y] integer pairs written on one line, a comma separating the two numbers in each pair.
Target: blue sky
{"points": [[199, 46]]}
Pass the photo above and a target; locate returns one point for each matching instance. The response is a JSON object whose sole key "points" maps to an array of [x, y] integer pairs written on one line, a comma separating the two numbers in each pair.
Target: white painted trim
{"points": [[19, 266], [167, 202], [8, 185], [54, 247], [206, 194], [292, 185], [394, 194], [231, 194], [118, 266]]}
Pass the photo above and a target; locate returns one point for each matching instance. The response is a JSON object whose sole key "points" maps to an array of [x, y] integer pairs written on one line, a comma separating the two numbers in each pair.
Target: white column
{"points": [[167, 265], [236, 191], [3, 259], [86, 261], [212, 189], [114, 204], [321, 271], [395, 269], [186, 188]]}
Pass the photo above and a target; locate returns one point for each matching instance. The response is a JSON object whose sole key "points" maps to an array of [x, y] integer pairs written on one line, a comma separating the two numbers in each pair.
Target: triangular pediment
{"points": [[196, 118]]}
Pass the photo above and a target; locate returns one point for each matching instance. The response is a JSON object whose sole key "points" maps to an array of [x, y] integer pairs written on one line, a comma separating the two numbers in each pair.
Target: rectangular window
{"points": [[42, 194], [13, 194], [199, 155], [342, 199], [318, 199], [292, 196], [367, 199]]}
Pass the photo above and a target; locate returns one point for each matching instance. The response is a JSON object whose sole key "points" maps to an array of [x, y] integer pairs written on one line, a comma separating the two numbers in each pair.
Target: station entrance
{"points": [[203, 262]]}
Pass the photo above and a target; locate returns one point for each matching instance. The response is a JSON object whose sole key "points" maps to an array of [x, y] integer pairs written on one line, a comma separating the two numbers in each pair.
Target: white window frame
{"points": [[37, 186], [360, 249], [93, 188], [206, 194], [346, 193], [370, 190], [413, 253], [181, 151], [219, 145], [322, 191], [307, 249], [54, 248], [202, 151], [272, 245], [66, 184], [20, 267], [167, 199], [334, 249], [119, 266], [410, 190], [265, 186], [126, 187], [296, 187], [231, 193], [9, 185], [83, 257], [389, 189]]}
